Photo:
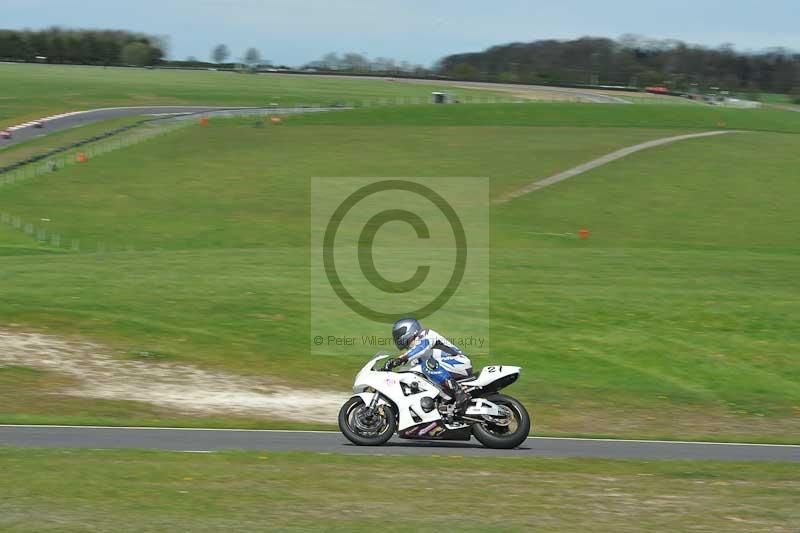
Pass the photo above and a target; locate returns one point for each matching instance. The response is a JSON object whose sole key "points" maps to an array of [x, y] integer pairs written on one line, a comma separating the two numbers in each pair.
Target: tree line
{"points": [[360, 64], [629, 61], [88, 47], [632, 61], [103, 47]]}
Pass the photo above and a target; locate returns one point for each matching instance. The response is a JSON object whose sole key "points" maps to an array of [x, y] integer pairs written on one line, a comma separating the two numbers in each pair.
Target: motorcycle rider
{"points": [[442, 361]]}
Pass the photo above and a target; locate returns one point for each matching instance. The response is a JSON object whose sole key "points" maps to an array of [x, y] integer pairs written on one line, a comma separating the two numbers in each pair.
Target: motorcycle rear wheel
{"points": [[354, 425], [504, 437]]}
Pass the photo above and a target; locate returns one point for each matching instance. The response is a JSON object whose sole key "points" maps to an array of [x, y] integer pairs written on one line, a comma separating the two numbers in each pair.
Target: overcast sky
{"points": [[421, 31]]}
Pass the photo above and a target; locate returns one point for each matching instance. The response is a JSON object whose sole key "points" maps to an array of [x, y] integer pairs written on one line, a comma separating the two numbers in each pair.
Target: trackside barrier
{"points": [[59, 158], [38, 157], [39, 228], [55, 159]]}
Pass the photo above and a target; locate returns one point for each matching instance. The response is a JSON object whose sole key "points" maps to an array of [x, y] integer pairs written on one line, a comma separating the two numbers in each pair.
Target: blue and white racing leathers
{"points": [[440, 358]]}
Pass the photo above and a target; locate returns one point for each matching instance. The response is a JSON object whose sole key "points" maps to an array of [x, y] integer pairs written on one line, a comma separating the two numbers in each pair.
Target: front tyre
{"points": [[364, 428], [506, 435]]}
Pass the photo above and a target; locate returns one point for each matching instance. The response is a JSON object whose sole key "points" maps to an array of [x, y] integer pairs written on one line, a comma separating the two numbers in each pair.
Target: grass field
{"points": [[99, 490], [568, 115], [35, 91], [249, 168], [672, 320], [770, 98]]}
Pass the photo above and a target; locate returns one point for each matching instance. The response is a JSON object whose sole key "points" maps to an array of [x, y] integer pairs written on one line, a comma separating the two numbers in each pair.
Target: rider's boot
{"points": [[462, 397]]}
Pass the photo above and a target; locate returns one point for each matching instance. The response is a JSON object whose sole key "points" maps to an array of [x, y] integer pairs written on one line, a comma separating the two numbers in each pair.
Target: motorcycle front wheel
{"points": [[364, 428], [506, 436]]}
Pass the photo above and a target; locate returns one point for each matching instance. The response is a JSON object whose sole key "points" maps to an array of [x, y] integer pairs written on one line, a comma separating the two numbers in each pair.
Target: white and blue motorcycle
{"points": [[414, 407]]}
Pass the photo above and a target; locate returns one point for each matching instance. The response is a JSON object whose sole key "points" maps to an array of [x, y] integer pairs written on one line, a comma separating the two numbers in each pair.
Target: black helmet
{"points": [[404, 331]]}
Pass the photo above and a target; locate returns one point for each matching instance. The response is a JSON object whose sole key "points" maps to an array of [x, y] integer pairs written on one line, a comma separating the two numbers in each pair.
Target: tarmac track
{"points": [[593, 96], [28, 130], [52, 124], [210, 440]]}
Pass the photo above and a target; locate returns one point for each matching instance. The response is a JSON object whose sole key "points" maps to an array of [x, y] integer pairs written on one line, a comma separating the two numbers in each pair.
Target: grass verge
{"points": [[76, 490], [567, 115]]}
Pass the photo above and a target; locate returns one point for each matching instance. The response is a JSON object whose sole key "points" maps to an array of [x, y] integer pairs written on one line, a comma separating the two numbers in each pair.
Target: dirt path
{"points": [[183, 388], [613, 156]]}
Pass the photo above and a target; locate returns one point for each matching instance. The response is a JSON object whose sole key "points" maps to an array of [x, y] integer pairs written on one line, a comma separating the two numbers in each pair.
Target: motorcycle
{"points": [[414, 407]]}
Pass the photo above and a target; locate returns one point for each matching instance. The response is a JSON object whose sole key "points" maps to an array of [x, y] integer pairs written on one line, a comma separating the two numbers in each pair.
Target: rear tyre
{"points": [[364, 429], [504, 436]]}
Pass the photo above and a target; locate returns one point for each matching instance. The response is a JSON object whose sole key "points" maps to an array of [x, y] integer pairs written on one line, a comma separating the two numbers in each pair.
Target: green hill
{"points": [[672, 319]]}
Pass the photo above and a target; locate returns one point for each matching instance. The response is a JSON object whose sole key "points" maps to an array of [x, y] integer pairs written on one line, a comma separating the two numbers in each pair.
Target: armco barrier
{"points": [[67, 147], [114, 139]]}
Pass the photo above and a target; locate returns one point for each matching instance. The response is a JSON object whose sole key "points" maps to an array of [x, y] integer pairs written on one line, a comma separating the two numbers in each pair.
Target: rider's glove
{"points": [[391, 363]]}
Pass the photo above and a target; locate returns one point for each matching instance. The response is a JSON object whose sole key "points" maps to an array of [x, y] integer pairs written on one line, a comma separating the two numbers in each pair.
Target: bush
{"points": [[137, 54]]}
